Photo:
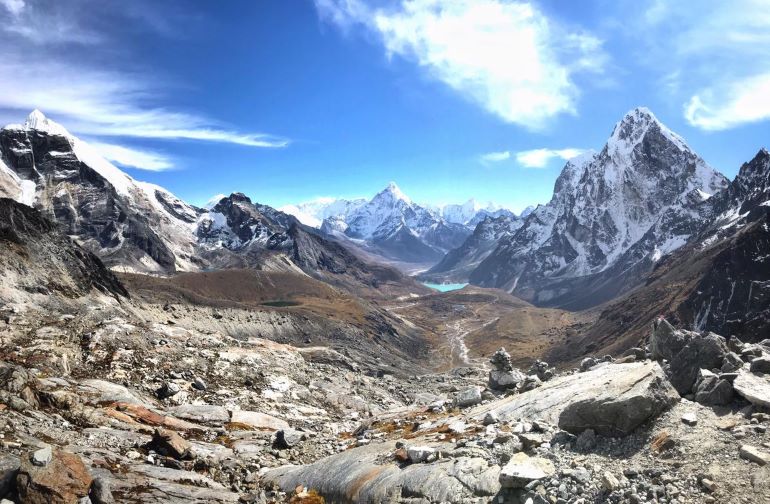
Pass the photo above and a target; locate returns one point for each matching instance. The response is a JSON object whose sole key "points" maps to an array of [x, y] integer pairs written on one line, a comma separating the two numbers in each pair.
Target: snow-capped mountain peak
{"points": [[39, 122], [630, 131], [616, 207], [393, 193]]}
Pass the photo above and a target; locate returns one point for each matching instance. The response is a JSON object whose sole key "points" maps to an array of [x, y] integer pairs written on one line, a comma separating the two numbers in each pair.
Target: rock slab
{"points": [[754, 388], [523, 469], [612, 400]]}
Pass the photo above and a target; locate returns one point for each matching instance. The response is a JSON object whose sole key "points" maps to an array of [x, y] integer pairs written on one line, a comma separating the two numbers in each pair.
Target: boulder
{"points": [[530, 382], [707, 352], [761, 365], [754, 388], [712, 390], [168, 389], [522, 469], [754, 454], [170, 444], [468, 397], [612, 399], [666, 341], [731, 363], [199, 384], [637, 352], [541, 370], [63, 480], [587, 363], [735, 345], [418, 454], [504, 380], [288, 438], [9, 467], [201, 413], [751, 352], [101, 492]]}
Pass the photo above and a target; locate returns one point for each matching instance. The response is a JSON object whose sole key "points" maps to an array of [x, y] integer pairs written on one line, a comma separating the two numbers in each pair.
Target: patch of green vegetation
{"points": [[281, 303]]}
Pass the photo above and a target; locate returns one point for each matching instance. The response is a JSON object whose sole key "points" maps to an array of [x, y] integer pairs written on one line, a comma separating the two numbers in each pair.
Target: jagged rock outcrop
{"points": [[36, 258], [131, 225]]}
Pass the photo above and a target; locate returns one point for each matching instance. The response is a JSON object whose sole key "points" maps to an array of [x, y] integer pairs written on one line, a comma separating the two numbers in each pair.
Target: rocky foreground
{"points": [[127, 412]]}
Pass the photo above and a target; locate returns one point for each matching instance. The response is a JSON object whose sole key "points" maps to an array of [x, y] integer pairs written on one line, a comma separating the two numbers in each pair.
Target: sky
{"points": [[287, 101]]}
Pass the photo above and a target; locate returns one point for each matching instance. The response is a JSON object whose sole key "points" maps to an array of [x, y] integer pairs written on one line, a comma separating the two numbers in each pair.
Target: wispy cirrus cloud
{"points": [[134, 158], [111, 103], [96, 99], [509, 57], [539, 158]]}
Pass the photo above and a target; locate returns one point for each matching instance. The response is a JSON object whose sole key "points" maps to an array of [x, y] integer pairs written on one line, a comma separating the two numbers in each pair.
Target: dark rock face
{"points": [[48, 260], [733, 295], [83, 201], [713, 391], [245, 224], [622, 208]]}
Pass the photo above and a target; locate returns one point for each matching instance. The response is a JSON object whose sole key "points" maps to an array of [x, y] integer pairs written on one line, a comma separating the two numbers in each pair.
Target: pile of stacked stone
{"points": [[503, 376]]}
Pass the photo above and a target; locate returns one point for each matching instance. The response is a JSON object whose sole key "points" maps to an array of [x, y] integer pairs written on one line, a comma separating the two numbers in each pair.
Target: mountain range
{"points": [[393, 227], [616, 225], [140, 227], [613, 215]]}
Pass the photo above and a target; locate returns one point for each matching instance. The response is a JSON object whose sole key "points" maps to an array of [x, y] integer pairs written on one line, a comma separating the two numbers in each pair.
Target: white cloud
{"points": [[539, 158], [14, 6], [103, 103], [713, 58], [134, 158], [743, 101], [495, 157], [508, 57]]}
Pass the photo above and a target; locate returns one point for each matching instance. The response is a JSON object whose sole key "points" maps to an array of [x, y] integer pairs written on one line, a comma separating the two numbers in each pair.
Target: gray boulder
{"points": [[666, 341], [732, 362], [522, 469], [587, 363], [504, 380], [712, 390], [707, 352], [468, 397], [761, 365], [612, 399]]}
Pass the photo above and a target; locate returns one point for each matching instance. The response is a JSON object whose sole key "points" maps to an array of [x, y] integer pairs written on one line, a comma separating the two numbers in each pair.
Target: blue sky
{"points": [[291, 100]]}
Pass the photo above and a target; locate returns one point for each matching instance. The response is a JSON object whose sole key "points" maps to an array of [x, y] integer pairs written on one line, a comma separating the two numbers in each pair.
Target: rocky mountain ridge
{"points": [[394, 226], [612, 216], [139, 227]]}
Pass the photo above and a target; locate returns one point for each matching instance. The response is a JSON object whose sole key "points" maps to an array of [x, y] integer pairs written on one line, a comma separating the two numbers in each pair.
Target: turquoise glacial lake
{"points": [[445, 287]]}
